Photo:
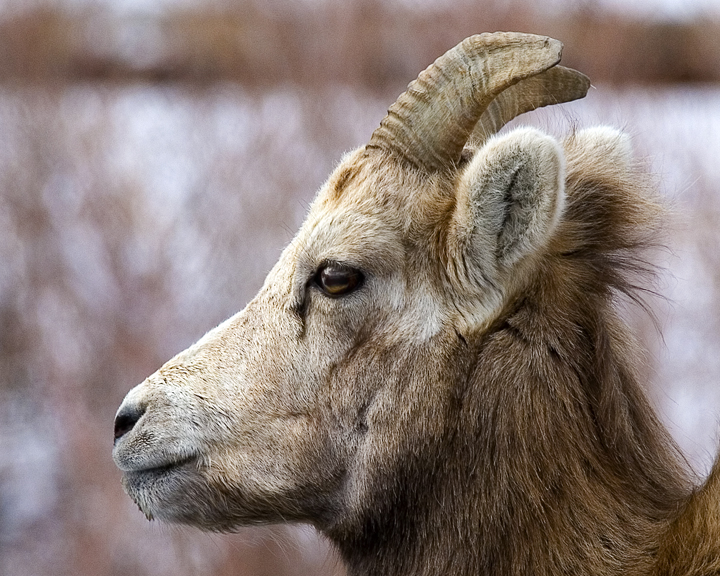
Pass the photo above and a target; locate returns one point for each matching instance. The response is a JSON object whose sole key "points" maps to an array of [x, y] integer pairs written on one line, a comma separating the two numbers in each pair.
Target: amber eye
{"points": [[338, 280]]}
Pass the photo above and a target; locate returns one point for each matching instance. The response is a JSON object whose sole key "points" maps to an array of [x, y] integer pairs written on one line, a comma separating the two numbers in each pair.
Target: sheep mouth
{"points": [[169, 467]]}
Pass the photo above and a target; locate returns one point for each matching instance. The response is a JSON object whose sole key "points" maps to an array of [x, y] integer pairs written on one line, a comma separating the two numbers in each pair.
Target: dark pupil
{"points": [[336, 281]]}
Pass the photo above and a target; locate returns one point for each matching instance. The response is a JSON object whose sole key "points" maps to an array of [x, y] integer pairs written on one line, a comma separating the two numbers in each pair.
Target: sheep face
{"points": [[341, 373]]}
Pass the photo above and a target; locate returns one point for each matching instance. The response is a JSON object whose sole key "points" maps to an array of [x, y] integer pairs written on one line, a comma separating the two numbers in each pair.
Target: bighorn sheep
{"points": [[435, 374]]}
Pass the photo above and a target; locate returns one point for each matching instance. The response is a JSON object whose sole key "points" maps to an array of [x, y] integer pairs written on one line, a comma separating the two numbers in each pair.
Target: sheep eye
{"points": [[338, 280]]}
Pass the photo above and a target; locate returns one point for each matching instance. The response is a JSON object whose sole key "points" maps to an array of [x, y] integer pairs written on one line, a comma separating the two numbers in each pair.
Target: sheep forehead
{"points": [[394, 197], [353, 220]]}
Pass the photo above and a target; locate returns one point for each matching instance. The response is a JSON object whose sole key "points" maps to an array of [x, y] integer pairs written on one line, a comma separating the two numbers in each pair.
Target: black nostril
{"points": [[126, 418]]}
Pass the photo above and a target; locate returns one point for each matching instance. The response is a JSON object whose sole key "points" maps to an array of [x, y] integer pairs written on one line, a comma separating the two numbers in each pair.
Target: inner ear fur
{"points": [[509, 199]]}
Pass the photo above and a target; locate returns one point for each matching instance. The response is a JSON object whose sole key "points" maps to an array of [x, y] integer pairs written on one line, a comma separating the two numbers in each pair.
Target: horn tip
{"points": [[576, 83]]}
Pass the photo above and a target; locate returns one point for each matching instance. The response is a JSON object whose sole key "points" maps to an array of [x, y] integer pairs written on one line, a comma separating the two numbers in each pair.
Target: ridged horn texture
{"points": [[430, 123], [554, 86]]}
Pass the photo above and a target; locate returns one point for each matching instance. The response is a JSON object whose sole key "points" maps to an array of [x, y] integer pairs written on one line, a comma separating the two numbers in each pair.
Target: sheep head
{"points": [[340, 378]]}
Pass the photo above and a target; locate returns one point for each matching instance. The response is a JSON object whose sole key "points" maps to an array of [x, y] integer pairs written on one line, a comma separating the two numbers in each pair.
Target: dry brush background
{"points": [[155, 159]]}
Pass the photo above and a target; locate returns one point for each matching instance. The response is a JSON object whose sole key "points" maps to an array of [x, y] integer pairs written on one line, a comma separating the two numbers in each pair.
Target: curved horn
{"points": [[554, 86], [432, 120]]}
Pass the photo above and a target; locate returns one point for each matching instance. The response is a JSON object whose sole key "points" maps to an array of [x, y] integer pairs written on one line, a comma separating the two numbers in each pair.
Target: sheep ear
{"points": [[510, 198]]}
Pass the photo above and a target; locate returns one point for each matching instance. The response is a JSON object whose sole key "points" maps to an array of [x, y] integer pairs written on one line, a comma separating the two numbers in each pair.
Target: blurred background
{"points": [[156, 155]]}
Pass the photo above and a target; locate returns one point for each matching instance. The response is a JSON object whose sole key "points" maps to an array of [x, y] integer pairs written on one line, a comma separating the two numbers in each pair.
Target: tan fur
{"points": [[473, 408]]}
